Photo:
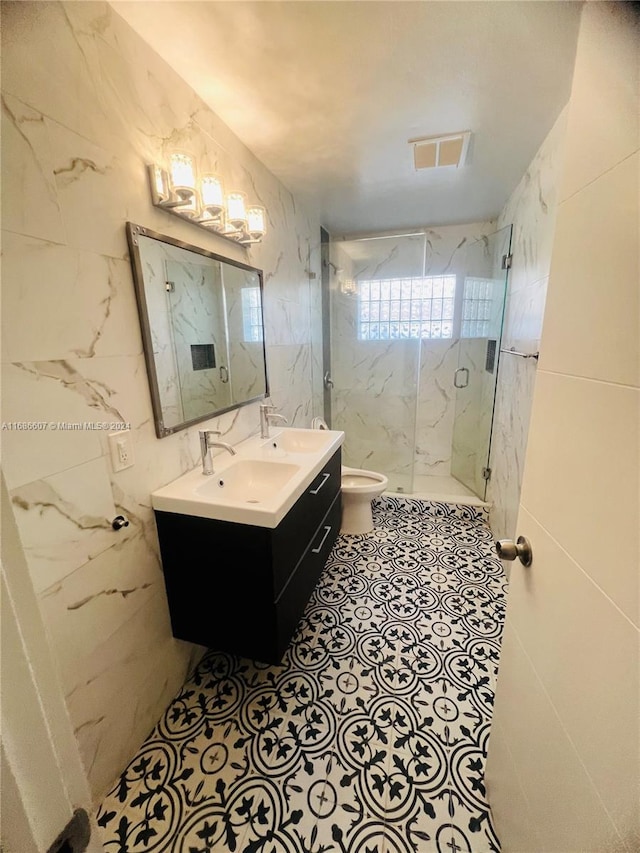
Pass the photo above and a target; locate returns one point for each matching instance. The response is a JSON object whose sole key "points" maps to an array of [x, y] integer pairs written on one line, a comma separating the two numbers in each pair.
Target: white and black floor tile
{"points": [[371, 735]]}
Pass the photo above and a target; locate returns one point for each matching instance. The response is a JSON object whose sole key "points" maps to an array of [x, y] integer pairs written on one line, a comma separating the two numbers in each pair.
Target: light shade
{"points": [[183, 174], [212, 194], [256, 221], [236, 213]]}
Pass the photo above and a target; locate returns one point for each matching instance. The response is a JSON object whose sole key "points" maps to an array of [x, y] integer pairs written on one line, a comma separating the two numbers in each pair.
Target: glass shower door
{"points": [[375, 352], [481, 307]]}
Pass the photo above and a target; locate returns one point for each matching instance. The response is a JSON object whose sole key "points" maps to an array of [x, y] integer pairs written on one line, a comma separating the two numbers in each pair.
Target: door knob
{"points": [[507, 549]]}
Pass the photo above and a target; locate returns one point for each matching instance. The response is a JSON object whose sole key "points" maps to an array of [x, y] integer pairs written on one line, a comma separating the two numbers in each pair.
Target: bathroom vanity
{"points": [[239, 582]]}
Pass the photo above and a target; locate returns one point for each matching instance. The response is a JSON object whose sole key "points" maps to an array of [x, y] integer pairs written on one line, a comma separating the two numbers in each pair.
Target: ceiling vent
{"points": [[432, 152]]}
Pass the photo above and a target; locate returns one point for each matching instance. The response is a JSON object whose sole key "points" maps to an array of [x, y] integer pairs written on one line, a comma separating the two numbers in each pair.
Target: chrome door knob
{"points": [[507, 549]]}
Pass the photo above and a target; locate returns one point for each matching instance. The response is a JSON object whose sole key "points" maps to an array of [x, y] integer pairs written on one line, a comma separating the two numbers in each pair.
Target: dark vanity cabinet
{"points": [[242, 588]]}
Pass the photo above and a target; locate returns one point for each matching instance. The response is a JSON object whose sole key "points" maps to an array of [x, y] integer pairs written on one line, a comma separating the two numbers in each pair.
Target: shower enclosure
{"points": [[411, 354]]}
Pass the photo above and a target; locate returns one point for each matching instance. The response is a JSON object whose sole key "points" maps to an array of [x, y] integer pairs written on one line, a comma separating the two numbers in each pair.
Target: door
{"points": [[563, 757], [480, 307]]}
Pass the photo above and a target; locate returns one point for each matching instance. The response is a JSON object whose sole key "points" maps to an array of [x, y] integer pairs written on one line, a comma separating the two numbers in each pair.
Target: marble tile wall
{"points": [[86, 104], [531, 209]]}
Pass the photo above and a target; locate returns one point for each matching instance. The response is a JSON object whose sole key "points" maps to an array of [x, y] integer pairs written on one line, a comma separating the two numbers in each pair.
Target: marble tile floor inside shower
{"points": [[369, 737]]}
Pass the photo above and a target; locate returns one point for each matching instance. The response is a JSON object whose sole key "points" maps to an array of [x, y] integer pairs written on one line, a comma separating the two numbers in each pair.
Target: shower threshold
{"points": [[444, 489]]}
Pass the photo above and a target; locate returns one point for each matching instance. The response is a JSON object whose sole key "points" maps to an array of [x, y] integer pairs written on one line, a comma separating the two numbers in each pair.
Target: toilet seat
{"points": [[358, 480]]}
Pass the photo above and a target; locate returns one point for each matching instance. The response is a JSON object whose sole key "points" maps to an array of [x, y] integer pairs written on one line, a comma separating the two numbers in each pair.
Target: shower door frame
{"points": [[481, 491]]}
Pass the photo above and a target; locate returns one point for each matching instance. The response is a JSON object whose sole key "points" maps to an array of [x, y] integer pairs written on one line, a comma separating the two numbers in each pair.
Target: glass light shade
{"points": [[256, 220], [183, 175], [236, 214], [212, 194], [348, 286]]}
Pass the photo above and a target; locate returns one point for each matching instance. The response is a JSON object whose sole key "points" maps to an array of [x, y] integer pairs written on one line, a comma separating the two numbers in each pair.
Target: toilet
{"points": [[359, 488]]}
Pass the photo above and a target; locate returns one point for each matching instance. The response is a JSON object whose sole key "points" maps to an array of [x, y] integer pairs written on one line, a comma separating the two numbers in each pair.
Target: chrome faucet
{"points": [[268, 414], [206, 444]]}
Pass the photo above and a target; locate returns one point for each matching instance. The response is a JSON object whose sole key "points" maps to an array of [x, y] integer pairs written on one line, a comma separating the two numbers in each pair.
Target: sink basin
{"points": [[300, 440], [259, 484], [251, 481]]}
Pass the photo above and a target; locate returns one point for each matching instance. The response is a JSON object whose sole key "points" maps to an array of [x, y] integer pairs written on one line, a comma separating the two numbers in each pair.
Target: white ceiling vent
{"points": [[431, 152]]}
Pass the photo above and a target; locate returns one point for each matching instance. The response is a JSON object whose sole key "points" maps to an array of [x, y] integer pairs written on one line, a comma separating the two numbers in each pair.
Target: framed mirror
{"points": [[202, 329]]}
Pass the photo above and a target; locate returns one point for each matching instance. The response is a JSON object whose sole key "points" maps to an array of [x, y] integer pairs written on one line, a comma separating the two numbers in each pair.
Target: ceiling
{"points": [[326, 94]]}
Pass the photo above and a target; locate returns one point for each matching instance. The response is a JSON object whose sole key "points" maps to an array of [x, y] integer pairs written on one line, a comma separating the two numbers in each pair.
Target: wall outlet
{"points": [[121, 449]]}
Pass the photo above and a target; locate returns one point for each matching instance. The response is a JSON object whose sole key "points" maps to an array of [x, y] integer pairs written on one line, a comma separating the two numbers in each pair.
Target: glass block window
{"points": [[406, 308], [251, 314], [477, 304]]}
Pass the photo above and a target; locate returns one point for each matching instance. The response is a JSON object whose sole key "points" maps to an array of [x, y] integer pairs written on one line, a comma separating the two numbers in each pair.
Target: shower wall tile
{"points": [[96, 106], [417, 434], [531, 210], [376, 434], [436, 407], [377, 367], [469, 412]]}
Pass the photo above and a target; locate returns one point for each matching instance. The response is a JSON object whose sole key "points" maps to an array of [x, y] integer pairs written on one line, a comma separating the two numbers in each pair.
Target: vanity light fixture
{"points": [[203, 202], [348, 286]]}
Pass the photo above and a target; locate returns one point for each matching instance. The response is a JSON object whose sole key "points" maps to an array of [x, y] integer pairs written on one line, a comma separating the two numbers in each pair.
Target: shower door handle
{"points": [[328, 381], [458, 373]]}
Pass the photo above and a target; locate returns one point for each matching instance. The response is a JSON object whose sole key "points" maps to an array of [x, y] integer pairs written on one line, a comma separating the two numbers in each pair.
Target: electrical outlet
{"points": [[121, 450]]}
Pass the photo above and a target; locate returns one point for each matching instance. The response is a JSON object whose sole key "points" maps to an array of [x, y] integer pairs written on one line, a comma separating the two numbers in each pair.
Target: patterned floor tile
{"points": [[369, 737]]}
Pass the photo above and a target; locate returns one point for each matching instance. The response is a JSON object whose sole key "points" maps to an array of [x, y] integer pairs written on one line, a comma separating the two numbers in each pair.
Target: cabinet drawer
{"points": [[291, 537], [295, 595]]}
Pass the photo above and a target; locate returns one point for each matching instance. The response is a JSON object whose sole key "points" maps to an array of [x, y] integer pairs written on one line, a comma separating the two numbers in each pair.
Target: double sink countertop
{"points": [[259, 484]]}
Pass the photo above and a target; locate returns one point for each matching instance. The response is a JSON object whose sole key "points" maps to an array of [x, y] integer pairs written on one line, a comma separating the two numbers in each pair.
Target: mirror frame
{"points": [[133, 232]]}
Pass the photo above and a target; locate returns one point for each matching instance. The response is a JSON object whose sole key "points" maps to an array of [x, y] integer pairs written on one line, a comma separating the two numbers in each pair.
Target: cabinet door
{"points": [[291, 537], [294, 597], [218, 580]]}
